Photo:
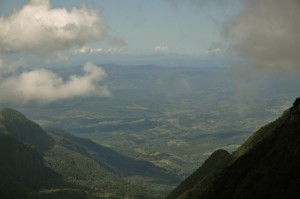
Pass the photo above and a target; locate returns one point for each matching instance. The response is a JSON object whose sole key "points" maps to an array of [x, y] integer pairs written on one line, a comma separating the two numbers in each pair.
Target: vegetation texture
{"points": [[54, 164], [266, 166]]}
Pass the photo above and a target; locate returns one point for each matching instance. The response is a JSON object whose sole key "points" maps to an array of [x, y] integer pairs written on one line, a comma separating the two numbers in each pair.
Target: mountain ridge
{"points": [[22, 169], [213, 164], [80, 165], [265, 166], [24, 130]]}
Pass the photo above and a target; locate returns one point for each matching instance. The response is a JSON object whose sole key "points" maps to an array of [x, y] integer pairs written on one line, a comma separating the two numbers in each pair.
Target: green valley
{"points": [[174, 117], [61, 165]]}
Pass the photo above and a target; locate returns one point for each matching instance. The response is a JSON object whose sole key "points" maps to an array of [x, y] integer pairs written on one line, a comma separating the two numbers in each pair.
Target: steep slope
{"points": [[22, 169], [24, 130], [113, 166], [58, 165], [88, 175], [266, 166], [112, 160], [218, 160]]}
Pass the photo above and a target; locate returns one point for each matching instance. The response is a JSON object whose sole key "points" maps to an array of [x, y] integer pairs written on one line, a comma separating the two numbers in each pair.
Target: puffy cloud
{"points": [[87, 50], [44, 86], [213, 51], [114, 50], [38, 28], [161, 48], [267, 32]]}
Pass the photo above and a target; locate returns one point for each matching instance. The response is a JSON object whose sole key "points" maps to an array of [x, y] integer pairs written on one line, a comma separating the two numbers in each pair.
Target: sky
{"points": [[38, 34], [147, 27]]}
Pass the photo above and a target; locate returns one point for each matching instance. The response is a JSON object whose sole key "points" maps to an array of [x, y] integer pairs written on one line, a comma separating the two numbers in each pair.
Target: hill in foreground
{"points": [[265, 166], [50, 164]]}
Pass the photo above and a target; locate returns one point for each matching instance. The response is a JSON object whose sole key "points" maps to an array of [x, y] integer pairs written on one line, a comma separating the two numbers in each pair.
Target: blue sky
{"points": [[37, 35], [185, 28]]}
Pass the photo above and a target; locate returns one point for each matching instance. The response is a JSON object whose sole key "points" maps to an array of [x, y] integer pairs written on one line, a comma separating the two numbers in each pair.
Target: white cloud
{"points": [[161, 48], [38, 28], [87, 50], [267, 33], [96, 50], [44, 86], [213, 51], [114, 50]]}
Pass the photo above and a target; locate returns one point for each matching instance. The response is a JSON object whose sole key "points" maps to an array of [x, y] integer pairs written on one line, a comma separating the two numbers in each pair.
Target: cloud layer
{"points": [[38, 28], [161, 48], [44, 86], [88, 50], [267, 32], [213, 51]]}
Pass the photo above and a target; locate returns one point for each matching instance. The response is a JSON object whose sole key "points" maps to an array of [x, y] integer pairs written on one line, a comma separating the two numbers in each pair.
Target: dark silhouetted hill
{"points": [[22, 169]]}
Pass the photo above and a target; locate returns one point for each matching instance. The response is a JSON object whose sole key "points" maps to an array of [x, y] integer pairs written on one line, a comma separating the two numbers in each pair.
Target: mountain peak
{"points": [[216, 162], [295, 110], [297, 102], [24, 130], [265, 166], [8, 113]]}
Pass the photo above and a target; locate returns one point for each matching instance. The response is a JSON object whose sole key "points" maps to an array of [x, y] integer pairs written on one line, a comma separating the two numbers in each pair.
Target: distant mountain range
{"points": [[36, 163], [267, 165]]}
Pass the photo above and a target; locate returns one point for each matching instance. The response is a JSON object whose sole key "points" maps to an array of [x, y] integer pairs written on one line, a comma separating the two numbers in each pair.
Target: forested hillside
{"points": [[53, 164], [265, 166]]}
